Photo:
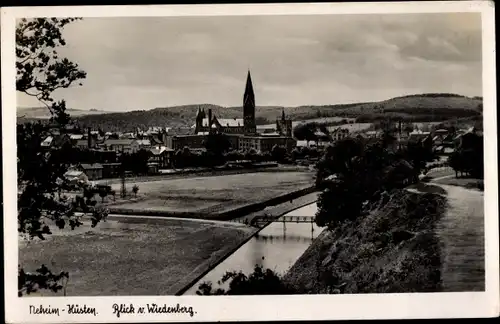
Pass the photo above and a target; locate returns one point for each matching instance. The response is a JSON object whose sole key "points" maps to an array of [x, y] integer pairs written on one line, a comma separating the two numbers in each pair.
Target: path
{"points": [[461, 232]]}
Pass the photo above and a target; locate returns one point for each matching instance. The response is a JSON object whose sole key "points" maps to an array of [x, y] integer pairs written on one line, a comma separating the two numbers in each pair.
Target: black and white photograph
{"points": [[246, 154]]}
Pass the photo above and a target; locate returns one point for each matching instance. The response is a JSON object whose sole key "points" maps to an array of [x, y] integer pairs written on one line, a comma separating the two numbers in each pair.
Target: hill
{"points": [[417, 108], [43, 113]]}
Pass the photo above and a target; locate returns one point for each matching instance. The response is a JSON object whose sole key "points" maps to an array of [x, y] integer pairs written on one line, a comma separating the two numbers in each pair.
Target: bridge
{"points": [[265, 219], [282, 219], [284, 238]]}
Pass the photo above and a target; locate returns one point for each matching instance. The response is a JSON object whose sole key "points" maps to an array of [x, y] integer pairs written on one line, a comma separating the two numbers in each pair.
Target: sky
{"points": [[149, 62]]}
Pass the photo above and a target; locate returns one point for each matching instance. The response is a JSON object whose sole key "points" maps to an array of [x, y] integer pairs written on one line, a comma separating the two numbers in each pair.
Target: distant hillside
{"points": [[420, 107], [43, 113]]}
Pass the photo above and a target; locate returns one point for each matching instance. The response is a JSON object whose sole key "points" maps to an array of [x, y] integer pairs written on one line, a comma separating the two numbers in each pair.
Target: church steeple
{"points": [[283, 114], [249, 106]]}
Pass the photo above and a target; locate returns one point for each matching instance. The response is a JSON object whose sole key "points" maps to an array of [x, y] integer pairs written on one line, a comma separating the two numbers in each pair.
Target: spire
{"points": [[283, 114], [249, 88]]}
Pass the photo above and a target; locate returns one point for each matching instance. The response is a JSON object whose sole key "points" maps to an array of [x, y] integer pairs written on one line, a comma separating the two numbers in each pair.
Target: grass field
{"points": [[131, 256], [214, 193]]}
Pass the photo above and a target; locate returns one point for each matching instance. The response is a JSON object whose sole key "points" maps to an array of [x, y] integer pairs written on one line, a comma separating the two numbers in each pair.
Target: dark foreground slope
{"points": [[392, 249]]}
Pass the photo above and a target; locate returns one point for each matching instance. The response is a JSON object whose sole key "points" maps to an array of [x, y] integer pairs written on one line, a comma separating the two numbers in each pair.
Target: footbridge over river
{"points": [[264, 220]]}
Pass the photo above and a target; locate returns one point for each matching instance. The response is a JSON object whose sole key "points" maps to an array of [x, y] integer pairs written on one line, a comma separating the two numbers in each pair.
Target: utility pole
{"points": [[123, 189]]}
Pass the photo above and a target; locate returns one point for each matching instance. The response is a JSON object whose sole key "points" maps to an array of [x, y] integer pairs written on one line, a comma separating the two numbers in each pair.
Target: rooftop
{"points": [[88, 166]]}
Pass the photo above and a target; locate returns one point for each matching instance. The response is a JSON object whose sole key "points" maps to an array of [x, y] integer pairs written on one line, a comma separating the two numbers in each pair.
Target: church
{"points": [[242, 133]]}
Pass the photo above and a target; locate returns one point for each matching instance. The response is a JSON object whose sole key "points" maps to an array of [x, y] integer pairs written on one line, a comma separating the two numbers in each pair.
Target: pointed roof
{"points": [[283, 114], [249, 88]]}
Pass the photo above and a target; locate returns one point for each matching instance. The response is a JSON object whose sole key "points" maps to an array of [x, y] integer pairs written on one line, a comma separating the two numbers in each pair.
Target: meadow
{"points": [[212, 194], [132, 256]]}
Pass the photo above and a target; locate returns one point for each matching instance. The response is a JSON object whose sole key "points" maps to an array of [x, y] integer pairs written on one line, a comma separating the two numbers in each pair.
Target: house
{"points": [[82, 144], [55, 141], [76, 177], [47, 142], [111, 170], [140, 144], [418, 136], [93, 171], [162, 156], [152, 168], [372, 134], [75, 137], [123, 145], [339, 133]]}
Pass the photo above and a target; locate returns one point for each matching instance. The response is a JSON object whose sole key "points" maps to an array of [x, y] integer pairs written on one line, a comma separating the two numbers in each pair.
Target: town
{"points": [[158, 150]]}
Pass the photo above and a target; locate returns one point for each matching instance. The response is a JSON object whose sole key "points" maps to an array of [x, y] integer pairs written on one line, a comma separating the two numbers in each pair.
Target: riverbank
{"points": [[392, 249]]}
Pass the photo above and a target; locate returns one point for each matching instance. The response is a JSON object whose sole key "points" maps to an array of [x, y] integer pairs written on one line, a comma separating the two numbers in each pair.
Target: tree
{"points": [[135, 190], [259, 282], [305, 131], [278, 153], [102, 194], [40, 72]]}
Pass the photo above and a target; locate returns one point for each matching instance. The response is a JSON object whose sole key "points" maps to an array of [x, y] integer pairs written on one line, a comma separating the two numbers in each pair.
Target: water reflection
{"points": [[276, 247]]}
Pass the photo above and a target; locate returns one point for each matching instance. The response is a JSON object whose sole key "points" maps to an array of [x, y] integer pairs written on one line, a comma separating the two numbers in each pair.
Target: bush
{"points": [[260, 282]]}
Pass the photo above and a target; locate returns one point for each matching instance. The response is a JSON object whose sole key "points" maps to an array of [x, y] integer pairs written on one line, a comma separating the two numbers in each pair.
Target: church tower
{"points": [[199, 120], [249, 107]]}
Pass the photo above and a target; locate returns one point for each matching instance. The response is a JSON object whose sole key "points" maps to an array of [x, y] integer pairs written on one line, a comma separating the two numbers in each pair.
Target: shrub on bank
{"points": [[260, 282]]}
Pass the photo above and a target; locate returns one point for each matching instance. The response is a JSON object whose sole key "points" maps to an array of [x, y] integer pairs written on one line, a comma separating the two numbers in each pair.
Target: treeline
{"points": [[352, 174], [434, 95], [418, 115], [468, 158]]}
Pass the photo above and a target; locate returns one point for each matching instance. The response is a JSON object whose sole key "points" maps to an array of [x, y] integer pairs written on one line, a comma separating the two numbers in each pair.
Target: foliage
{"points": [[216, 145], [259, 282], [42, 278], [468, 158], [41, 170], [137, 162], [305, 132], [279, 153], [135, 189], [40, 70], [351, 173]]}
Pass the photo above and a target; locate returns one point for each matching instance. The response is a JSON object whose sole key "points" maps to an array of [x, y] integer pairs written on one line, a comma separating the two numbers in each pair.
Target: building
{"points": [[265, 143], [178, 142], [206, 123], [162, 157], [55, 141], [339, 133], [118, 145], [140, 144], [93, 171], [284, 126], [111, 170], [249, 107], [76, 177], [241, 133]]}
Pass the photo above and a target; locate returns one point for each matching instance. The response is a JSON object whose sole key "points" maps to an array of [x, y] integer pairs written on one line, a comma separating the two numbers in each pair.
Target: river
{"points": [[276, 247]]}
